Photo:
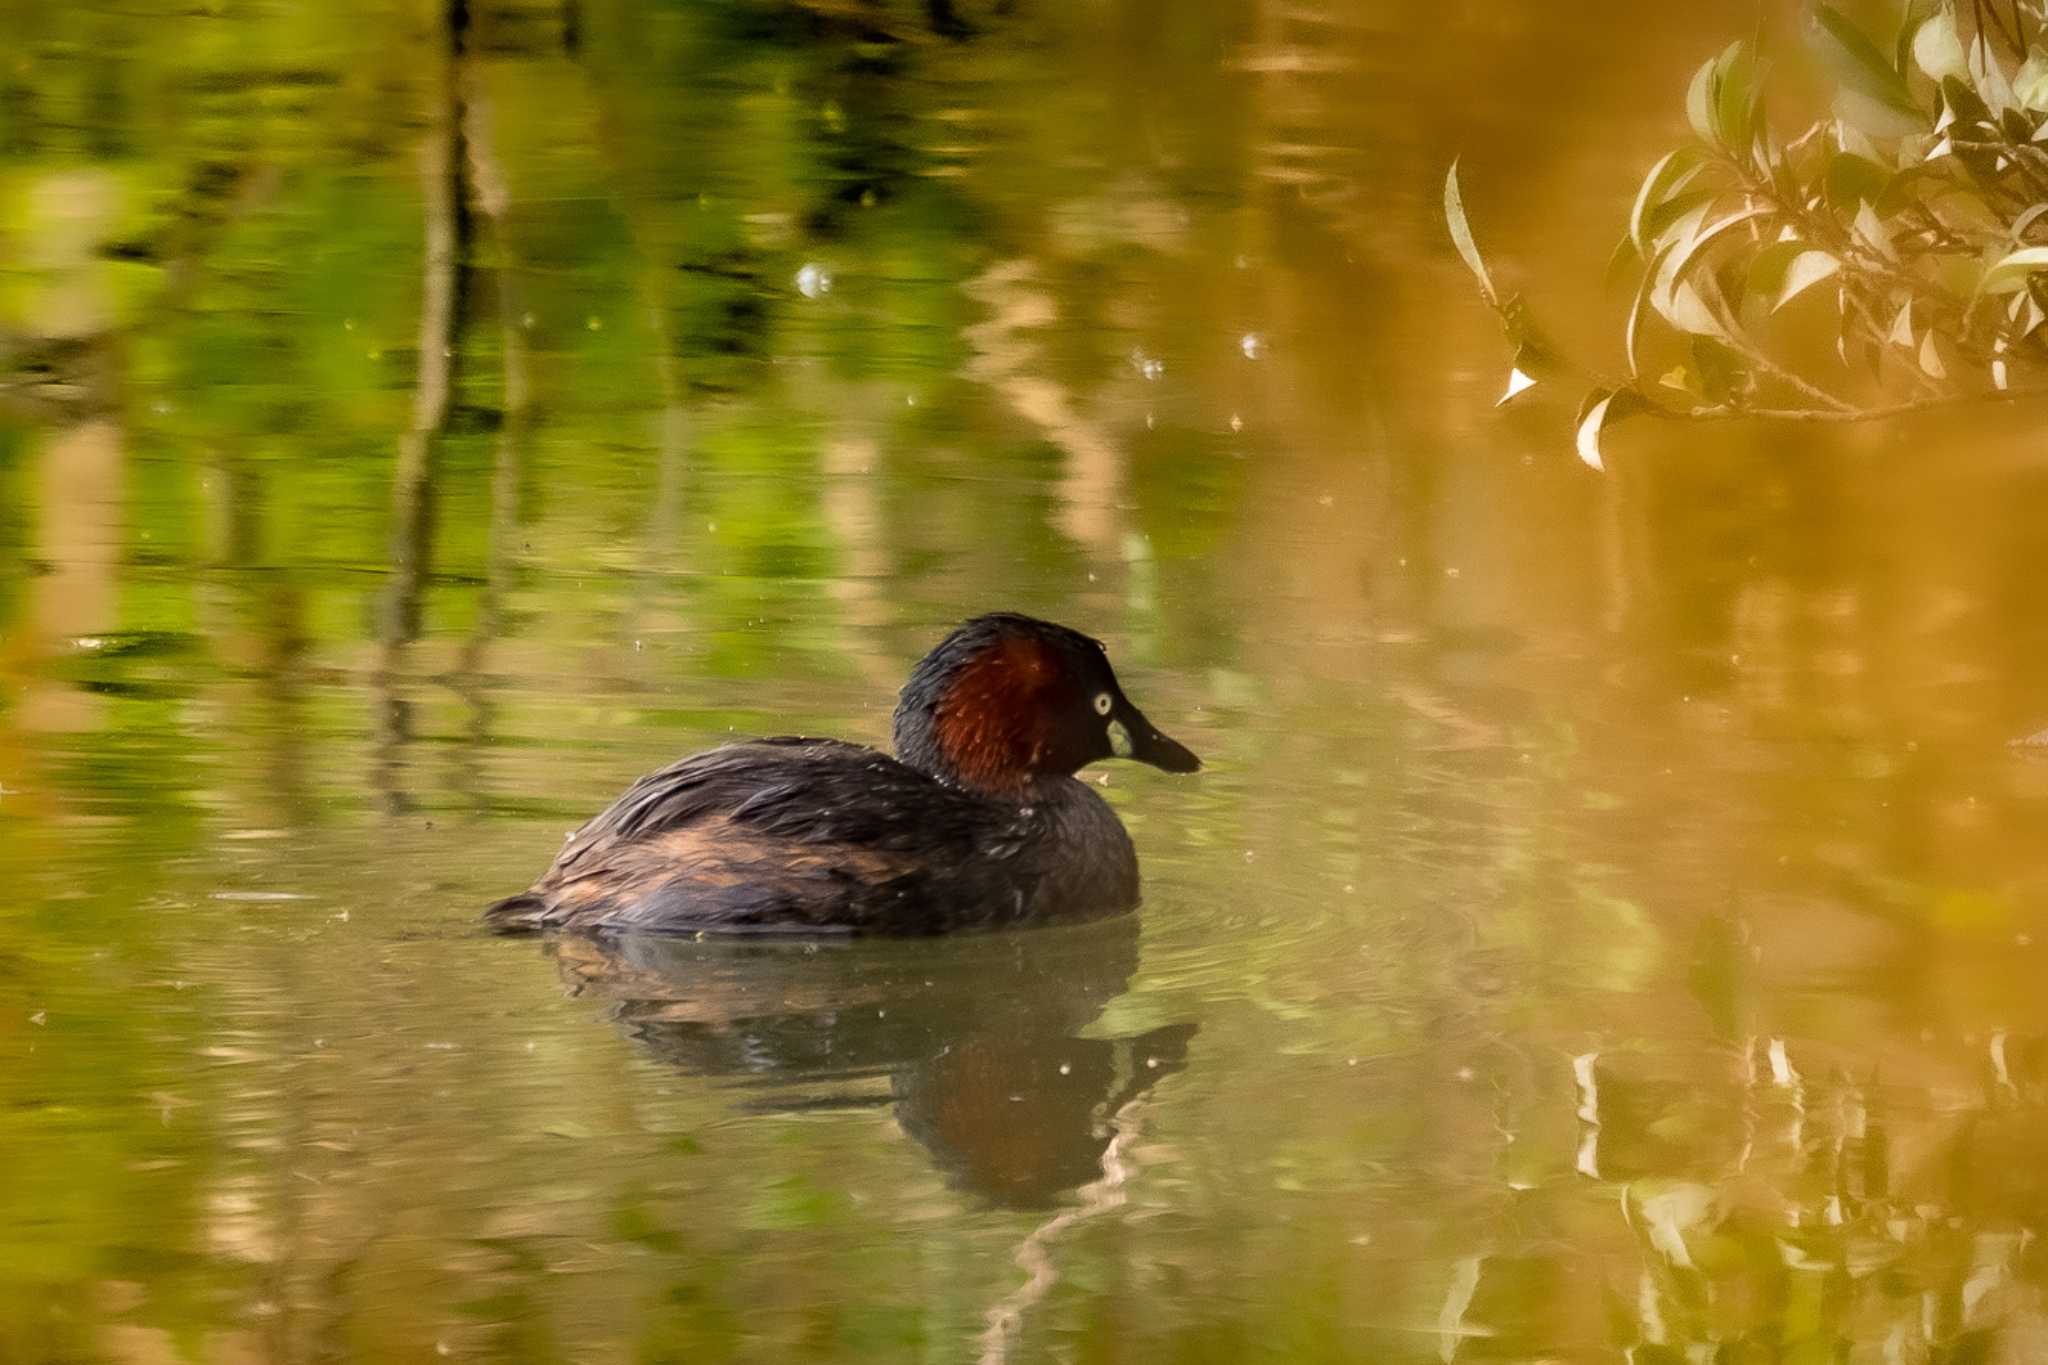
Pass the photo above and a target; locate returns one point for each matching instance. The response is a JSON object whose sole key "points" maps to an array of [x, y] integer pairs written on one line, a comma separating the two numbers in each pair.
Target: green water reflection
{"points": [[1611, 924]]}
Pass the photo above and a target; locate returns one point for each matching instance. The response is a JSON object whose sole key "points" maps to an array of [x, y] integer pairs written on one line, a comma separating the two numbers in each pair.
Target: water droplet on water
{"points": [[1149, 366], [1236, 422], [813, 281], [1252, 344]]}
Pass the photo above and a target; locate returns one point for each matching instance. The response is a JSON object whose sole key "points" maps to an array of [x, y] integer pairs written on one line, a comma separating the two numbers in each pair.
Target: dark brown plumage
{"points": [[979, 823]]}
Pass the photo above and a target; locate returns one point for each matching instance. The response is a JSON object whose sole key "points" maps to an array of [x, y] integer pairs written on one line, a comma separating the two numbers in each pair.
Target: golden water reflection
{"points": [[1610, 925]]}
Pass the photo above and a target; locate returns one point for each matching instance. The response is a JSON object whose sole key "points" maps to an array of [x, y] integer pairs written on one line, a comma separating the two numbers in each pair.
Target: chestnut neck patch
{"points": [[996, 723]]}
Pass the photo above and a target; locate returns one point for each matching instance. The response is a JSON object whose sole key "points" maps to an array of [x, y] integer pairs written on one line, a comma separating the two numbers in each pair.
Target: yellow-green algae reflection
{"points": [[1611, 924]]}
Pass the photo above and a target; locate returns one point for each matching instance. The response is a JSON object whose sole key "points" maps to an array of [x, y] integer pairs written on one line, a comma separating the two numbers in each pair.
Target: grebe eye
{"points": [[1103, 703]]}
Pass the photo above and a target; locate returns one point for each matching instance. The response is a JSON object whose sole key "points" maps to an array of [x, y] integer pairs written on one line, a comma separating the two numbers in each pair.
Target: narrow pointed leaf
{"points": [[1689, 313], [1699, 101], [1688, 250], [1662, 218], [1871, 231], [1737, 88], [1930, 358], [1807, 269], [1987, 74], [1767, 267], [1461, 236], [1857, 63], [1961, 103], [1590, 426], [1620, 262], [1876, 117], [1666, 178], [2030, 87], [2025, 221], [1901, 334], [2013, 270], [1638, 310]]}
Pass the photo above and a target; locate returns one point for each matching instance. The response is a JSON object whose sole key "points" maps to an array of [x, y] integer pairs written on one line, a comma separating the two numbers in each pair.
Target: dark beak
{"points": [[1148, 745]]}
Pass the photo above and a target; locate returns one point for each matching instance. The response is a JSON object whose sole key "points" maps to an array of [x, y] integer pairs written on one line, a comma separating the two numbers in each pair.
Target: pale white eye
{"points": [[1103, 701]]}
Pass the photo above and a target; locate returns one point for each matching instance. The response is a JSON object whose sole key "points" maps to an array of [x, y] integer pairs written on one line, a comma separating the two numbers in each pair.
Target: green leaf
{"points": [[1871, 231], [2030, 87], [1461, 236], [1738, 82], [2012, 271], [1962, 104], [1930, 359], [1851, 178], [1681, 378], [1987, 74], [1808, 269], [1625, 256], [1601, 410], [2026, 315], [1857, 63], [1699, 101], [1875, 117], [1772, 157], [1592, 422], [1686, 310], [1783, 271], [1937, 48], [1666, 178], [1675, 208], [1519, 382], [1768, 266], [1686, 251], [2027, 220], [1901, 334], [1720, 368], [1850, 139], [1721, 103]]}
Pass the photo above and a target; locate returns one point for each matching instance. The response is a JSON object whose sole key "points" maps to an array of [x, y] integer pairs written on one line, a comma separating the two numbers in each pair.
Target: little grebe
{"points": [[977, 822]]}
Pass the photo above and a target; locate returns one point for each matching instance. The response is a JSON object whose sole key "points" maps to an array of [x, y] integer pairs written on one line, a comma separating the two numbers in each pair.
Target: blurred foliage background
{"points": [[1609, 926], [1915, 201]]}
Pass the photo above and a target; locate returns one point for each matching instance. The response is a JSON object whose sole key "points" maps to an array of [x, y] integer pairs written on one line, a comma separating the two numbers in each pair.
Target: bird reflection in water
{"points": [[973, 1040]]}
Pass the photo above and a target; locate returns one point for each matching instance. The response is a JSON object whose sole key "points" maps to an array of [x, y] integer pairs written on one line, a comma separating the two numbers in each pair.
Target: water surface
{"points": [[1611, 923]]}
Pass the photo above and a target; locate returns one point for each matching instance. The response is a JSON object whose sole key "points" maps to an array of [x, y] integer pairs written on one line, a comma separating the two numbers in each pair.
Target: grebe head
{"points": [[1007, 700]]}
